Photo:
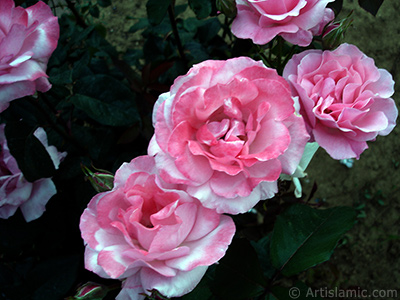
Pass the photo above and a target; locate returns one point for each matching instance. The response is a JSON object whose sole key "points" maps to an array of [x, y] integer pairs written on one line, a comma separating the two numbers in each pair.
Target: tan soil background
{"points": [[368, 258]]}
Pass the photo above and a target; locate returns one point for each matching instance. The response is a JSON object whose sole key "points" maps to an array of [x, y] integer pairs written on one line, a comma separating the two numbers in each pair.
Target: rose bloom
{"points": [[150, 236], [343, 97], [15, 191], [27, 39], [226, 131], [297, 21]]}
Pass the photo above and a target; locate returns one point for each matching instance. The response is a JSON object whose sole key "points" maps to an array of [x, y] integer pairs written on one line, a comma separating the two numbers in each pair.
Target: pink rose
{"points": [[297, 21], [16, 191], [226, 131], [27, 39], [344, 98], [150, 236]]}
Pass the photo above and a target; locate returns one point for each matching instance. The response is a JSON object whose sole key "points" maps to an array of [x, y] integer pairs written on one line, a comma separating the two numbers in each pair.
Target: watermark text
{"points": [[295, 293]]}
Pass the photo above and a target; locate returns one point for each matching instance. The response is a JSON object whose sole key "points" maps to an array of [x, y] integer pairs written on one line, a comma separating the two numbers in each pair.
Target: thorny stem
{"points": [[279, 57], [266, 60], [79, 20], [171, 15], [289, 56]]}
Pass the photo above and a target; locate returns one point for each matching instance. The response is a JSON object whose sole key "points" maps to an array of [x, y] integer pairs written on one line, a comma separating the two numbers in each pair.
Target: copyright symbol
{"points": [[294, 293]]}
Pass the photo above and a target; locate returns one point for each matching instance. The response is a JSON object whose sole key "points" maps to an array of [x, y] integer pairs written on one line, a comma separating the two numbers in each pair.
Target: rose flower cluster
{"points": [[224, 135]]}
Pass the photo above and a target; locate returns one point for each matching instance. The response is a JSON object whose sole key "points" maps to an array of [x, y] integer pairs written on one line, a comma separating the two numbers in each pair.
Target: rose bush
{"points": [[343, 97], [226, 131], [297, 21], [15, 191], [27, 39], [150, 236]]}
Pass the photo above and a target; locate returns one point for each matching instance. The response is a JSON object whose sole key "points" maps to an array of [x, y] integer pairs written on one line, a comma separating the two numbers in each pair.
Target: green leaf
{"points": [[303, 237], [54, 277], [104, 3], [238, 274], [94, 11], [32, 157], [202, 8], [262, 248], [371, 6], [106, 100], [156, 10], [141, 24]]}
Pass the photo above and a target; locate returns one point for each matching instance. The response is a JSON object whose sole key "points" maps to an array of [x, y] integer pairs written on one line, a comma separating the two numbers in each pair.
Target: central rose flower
{"points": [[226, 131]]}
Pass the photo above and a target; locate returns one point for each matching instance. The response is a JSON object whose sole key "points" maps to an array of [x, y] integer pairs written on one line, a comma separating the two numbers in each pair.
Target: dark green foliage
{"points": [[99, 110], [238, 274], [303, 237], [371, 6], [156, 10]]}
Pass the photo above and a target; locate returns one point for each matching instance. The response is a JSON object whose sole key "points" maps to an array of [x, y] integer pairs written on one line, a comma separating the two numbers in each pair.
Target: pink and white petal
{"points": [[207, 250], [229, 186], [372, 122], [234, 67], [43, 40], [6, 12], [168, 170], [176, 286], [89, 226], [29, 70], [142, 163], [161, 99], [278, 10], [9, 92], [42, 191], [235, 205], [299, 138], [42, 84], [180, 136], [12, 43], [195, 167], [264, 171], [271, 141], [337, 145], [132, 289], [245, 26], [388, 107], [186, 106], [91, 263], [40, 12], [384, 87], [168, 237], [302, 37], [206, 221], [329, 15], [16, 189], [313, 16], [109, 206], [198, 76], [112, 260], [280, 107], [7, 210]]}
